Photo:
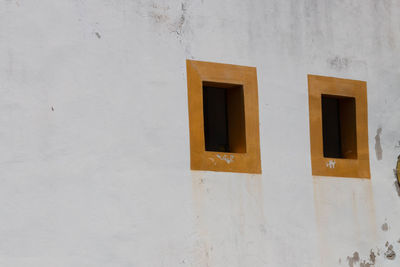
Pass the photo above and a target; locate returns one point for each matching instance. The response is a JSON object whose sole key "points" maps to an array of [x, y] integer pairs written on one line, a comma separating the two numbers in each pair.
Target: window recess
{"points": [[339, 127], [223, 114]]}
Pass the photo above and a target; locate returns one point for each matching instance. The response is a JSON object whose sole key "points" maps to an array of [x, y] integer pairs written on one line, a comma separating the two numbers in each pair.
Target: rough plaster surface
{"points": [[95, 141]]}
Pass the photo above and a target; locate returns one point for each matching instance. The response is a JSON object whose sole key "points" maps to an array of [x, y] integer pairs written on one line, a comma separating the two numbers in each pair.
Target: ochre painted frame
{"points": [[200, 159], [356, 168]]}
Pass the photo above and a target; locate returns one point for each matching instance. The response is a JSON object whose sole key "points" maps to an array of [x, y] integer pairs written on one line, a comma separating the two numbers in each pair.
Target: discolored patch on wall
{"points": [[158, 18], [378, 146], [16, 2], [202, 245], [158, 13], [172, 18], [178, 26], [385, 227], [339, 63]]}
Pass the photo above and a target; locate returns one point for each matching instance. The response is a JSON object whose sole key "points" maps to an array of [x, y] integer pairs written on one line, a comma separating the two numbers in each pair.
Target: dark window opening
{"points": [[339, 127], [224, 121]]}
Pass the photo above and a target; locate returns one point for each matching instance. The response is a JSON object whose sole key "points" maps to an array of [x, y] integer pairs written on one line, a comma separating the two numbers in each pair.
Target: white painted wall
{"points": [[94, 161]]}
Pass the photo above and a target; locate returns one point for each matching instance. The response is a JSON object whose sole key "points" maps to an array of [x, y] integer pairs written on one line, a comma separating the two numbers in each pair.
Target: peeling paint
{"points": [[372, 257], [366, 264], [354, 259], [331, 164], [213, 161], [390, 254], [226, 158]]}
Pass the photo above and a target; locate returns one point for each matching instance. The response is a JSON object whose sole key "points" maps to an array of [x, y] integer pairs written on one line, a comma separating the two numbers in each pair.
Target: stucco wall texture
{"points": [[94, 137]]}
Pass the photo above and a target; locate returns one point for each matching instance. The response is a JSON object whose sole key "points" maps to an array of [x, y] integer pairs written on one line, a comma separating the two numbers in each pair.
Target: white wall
{"points": [[94, 161]]}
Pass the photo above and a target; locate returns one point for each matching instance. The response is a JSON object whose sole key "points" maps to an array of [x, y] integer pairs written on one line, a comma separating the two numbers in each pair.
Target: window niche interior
{"points": [[339, 126], [224, 119]]}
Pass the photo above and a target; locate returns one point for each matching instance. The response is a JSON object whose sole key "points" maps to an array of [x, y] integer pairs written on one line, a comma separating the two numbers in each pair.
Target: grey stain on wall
{"points": [[159, 14], [378, 146], [385, 227], [182, 19], [339, 63], [98, 35]]}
